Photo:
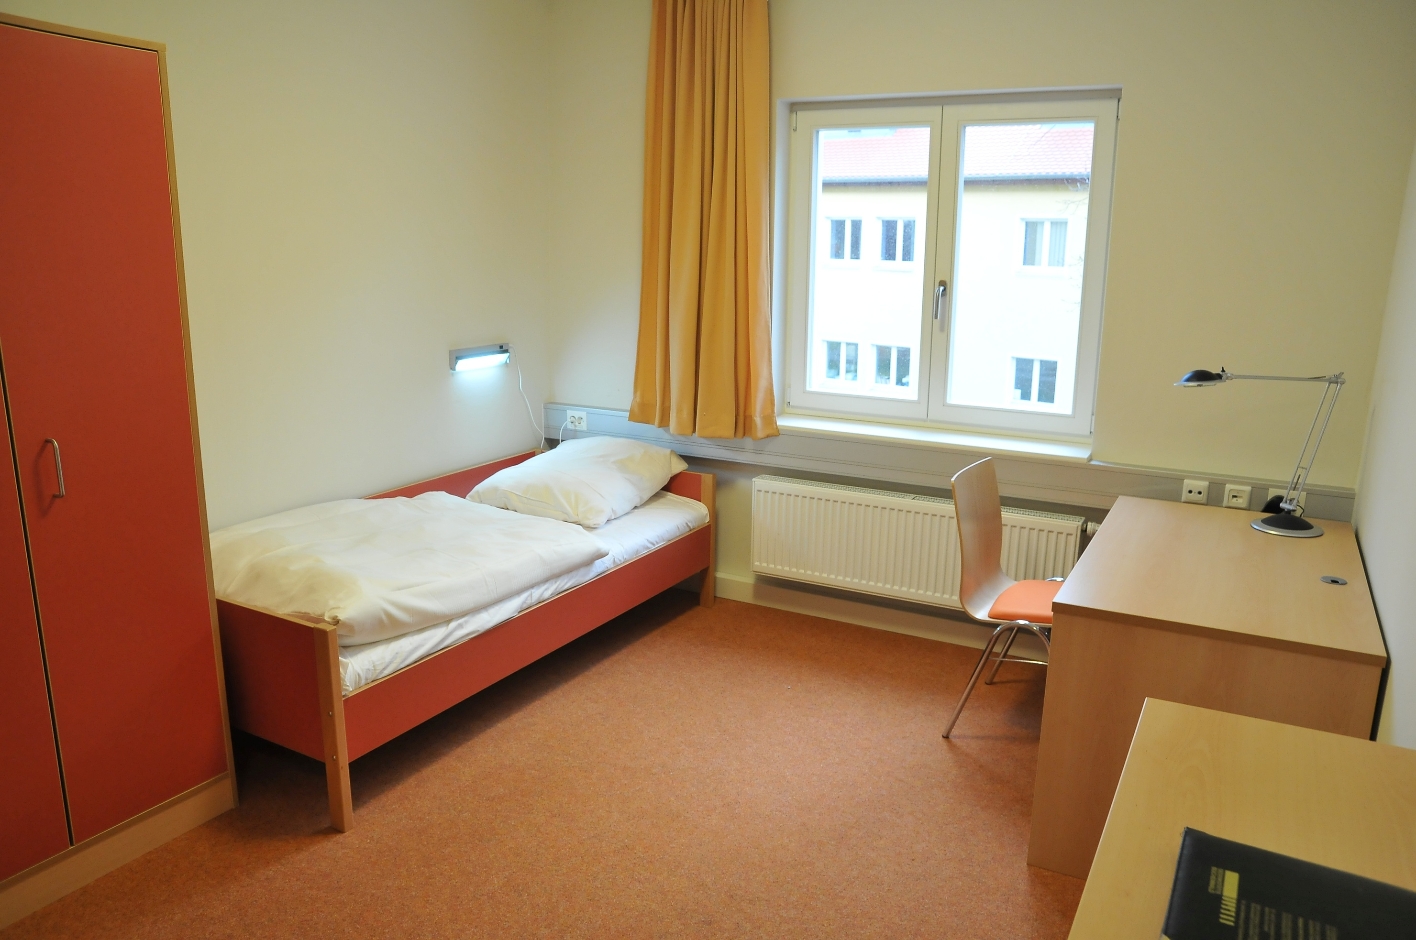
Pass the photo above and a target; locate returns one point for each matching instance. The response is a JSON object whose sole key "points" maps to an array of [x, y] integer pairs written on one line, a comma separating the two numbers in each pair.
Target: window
{"points": [[892, 365], [1056, 230], [1034, 380], [838, 238], [897, 239], [835, 367], [984, 309]]}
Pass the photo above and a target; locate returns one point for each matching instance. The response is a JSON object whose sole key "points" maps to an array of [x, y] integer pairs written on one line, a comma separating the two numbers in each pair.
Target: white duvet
{"points": [[379, 568]]}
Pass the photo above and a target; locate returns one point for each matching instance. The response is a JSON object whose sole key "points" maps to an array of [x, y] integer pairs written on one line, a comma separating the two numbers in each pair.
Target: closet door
{"points": [[96, 372], [31, 802]]}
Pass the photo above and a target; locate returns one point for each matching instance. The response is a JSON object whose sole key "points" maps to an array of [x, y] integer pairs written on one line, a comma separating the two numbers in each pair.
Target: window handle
{"points": [[939, 293], [58, 466]]}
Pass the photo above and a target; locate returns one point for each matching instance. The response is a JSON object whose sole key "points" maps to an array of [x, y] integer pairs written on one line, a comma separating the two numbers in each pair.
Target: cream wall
{"points": [[363, 187], [1261, 159], [599, 60], [1385, 514]]}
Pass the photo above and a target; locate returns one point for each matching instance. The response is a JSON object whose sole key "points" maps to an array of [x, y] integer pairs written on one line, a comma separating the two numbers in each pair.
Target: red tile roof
{"points": [[991, 151], [1027, 151]]}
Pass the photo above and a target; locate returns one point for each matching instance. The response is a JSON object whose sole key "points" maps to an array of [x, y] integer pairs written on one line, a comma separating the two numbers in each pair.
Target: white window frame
{"points": [[801, 265], [947, 120]]}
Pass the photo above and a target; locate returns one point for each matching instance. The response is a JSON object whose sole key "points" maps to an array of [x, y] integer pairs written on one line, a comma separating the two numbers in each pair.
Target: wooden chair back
{"points": [[980, 520]]}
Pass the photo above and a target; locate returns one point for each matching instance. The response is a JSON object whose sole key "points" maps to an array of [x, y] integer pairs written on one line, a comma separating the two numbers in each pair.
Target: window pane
{"points": [[1057, 244], [838, 238], [888, 228], [868, 173], [1022, 379], [1046, 380], [902, 365], [1032, 242], [1033, 172], [882, 363]]}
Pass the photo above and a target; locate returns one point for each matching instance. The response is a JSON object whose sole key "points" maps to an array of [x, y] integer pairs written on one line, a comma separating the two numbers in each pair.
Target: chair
{"points": [[988, 595]]}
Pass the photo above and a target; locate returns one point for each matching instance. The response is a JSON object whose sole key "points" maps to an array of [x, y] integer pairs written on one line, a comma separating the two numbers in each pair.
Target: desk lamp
{"points": [[1287, 515]]}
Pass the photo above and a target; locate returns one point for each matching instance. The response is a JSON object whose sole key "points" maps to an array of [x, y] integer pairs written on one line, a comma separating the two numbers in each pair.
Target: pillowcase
{"points": [[588, 481]]}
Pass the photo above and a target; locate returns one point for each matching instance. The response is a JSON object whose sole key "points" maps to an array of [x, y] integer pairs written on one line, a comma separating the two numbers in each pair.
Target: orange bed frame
{"points": [[278, 691]]}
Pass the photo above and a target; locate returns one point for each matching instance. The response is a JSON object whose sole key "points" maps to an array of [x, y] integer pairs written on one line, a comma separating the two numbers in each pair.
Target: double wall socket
{"points": [[576, 420], [1195, 491]]}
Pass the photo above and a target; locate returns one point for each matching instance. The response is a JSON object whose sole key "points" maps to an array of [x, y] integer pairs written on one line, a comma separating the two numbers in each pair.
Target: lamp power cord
{"points": [[530, 413]]}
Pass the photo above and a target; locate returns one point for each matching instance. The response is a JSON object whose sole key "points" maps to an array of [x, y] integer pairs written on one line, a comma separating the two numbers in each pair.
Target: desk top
{"points": [[1325, 798], [1204, 569]]}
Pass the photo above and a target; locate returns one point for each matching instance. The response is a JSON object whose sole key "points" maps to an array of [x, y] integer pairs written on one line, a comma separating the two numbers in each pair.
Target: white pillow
{"points": [[588, 481]]}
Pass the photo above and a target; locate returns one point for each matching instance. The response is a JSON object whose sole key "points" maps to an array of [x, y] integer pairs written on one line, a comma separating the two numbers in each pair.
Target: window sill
{"points": [[977, 442]]}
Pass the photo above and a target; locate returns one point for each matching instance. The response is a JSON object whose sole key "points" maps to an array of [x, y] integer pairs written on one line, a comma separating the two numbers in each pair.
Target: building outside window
{"points": [[991, 221]]}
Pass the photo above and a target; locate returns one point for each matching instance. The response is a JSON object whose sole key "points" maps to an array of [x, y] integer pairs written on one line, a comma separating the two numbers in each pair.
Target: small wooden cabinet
{"points": [[110, 684]]}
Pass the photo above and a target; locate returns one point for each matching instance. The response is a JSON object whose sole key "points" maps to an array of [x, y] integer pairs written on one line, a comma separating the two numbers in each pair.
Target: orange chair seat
{"points": [[1026, 600]]}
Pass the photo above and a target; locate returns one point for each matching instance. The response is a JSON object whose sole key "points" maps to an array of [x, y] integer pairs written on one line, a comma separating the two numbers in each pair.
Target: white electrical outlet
{"points": [[1195, 491], [576, 420], [1236, 496]]}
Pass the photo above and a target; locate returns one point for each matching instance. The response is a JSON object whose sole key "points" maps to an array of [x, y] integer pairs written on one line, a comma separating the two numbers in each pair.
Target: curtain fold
{"points": [[704, 361]]}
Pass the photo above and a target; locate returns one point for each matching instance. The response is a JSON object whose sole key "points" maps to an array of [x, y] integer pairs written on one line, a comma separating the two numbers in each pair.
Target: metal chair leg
{"points": [[998, 660], [973, 679]]}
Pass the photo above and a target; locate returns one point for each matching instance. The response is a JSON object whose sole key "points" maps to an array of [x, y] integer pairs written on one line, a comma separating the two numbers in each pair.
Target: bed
{"points": [[287, 682]]}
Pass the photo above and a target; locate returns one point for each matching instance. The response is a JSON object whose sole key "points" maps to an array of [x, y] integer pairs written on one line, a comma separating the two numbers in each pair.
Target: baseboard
{"points": [[833, 605], [47, 882]]}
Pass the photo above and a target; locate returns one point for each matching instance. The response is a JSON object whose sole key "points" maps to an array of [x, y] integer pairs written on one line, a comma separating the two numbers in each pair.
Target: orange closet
{"points": [[110, 702]]}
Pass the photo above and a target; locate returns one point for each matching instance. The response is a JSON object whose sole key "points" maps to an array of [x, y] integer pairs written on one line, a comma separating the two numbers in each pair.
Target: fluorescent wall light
{"points": [[479, 357]]}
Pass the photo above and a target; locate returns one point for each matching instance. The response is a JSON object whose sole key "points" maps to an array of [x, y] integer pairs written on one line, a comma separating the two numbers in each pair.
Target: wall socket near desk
{"points": [[1195, 491], [576, 420], [1237, 496]]}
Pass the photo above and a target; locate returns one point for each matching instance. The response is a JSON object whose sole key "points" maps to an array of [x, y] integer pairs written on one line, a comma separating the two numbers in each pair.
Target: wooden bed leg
{"points": [[336, 745], [707, 592]]}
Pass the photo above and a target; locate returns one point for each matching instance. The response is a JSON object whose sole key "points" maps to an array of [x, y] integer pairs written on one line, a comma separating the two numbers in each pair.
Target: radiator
{"points": [[890, 544]]}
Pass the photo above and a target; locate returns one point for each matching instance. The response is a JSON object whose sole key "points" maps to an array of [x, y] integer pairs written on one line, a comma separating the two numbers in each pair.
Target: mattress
{"points": [[663, 518], [380, 568]]}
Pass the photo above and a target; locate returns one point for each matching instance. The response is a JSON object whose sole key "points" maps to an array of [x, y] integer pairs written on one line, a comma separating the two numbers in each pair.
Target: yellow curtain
{"points": [[704, 363]]}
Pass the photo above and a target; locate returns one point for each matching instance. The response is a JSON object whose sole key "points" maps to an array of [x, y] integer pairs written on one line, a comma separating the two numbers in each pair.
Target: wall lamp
{"points": [[479, 357], [1286, 515]]}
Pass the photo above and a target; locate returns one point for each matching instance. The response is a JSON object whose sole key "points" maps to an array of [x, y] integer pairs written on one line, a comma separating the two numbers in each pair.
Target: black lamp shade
{"points": [[1201, 377]]}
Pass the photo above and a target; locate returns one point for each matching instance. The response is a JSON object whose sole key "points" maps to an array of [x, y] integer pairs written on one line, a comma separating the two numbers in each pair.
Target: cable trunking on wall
{"points": [[891, 544]]}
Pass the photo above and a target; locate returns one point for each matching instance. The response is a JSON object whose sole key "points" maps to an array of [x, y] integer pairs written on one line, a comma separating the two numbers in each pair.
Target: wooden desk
{"points": [[1320, 797], [1189, 604]]}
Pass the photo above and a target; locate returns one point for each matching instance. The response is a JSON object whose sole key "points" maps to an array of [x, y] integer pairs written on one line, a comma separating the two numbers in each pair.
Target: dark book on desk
{"points": [[1234, 891]]}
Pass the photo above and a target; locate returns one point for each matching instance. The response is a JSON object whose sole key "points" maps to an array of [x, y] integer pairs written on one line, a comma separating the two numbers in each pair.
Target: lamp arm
{"points": [[1335, 379], [1326, 404]]}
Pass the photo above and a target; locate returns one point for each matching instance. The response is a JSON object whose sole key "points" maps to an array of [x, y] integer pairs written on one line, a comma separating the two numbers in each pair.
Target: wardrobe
{"points": [[111, 706]]}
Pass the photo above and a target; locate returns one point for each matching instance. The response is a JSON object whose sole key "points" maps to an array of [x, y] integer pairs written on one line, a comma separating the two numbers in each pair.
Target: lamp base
{"points": [[1286, 523]]}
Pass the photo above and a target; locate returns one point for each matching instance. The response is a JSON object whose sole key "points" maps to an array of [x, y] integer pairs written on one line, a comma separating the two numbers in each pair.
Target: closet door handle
{"points": [[58, 466]]}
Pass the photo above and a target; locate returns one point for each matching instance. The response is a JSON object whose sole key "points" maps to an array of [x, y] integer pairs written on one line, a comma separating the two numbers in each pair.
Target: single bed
{"points": [[289, 681]]}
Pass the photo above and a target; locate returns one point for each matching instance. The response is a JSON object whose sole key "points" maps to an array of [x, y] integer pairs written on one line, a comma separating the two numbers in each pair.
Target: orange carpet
{"points": [[680, 772]]}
